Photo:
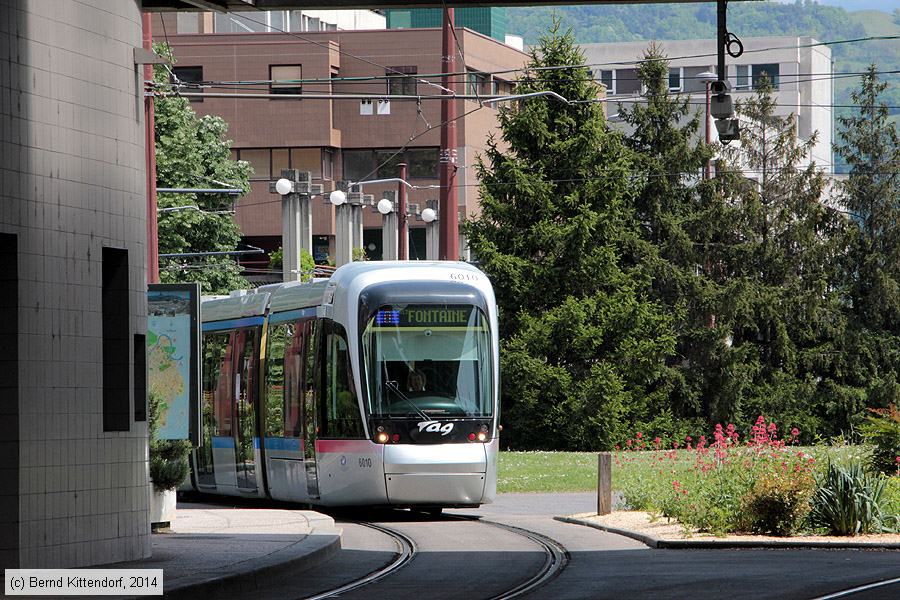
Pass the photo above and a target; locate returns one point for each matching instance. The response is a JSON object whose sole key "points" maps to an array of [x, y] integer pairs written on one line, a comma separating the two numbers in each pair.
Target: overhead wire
{"points": [[526, 68]]}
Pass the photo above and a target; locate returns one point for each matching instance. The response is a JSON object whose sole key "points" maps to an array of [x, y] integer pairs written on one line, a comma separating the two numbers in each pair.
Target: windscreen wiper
{"points": [[392, 385]]}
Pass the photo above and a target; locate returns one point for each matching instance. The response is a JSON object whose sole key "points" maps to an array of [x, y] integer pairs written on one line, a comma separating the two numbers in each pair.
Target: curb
{"points": [[242, 578], [663, 544]]}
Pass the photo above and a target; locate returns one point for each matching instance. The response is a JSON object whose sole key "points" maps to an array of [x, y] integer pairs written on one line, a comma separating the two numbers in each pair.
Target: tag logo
{"points": [[435, 427]]}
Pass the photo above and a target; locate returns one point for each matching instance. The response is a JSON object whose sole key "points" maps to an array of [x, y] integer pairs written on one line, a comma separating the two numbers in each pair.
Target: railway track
{"points": [[406, 550], [555, 561]]}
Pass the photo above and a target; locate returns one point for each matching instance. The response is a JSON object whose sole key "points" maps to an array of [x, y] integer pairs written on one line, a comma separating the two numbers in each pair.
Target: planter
{"points": [[162, 508]]}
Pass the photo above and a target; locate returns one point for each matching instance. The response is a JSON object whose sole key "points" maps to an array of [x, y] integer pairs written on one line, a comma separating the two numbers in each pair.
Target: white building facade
{"points": [[800, 70], [271, 21]]}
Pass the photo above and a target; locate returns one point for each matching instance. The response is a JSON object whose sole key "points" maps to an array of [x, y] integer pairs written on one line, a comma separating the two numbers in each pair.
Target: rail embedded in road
{"points": [[406, 551]]}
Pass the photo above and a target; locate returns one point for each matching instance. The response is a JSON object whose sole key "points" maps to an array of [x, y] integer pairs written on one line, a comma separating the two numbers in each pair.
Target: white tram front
{"points": [[378, 386]]}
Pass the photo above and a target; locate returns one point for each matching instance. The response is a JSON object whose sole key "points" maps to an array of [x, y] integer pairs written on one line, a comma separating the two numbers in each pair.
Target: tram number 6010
{"points": [[365, 463]]}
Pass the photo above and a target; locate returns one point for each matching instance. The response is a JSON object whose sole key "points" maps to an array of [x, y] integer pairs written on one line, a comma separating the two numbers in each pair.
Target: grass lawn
{"points": [[577, 471], [547, 472]]}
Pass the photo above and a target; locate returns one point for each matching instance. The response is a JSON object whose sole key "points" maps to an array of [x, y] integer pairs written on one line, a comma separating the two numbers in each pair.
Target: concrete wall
{"points": [[72, 181]]}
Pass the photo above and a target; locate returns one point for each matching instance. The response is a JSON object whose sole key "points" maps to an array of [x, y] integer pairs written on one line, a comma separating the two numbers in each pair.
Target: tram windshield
{"points": [[428, 360]]}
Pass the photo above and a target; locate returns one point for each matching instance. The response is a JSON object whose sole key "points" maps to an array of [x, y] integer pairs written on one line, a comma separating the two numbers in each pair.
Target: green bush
{"points": [[778, 504], [849, 501], [168, 458], [882, 431]]}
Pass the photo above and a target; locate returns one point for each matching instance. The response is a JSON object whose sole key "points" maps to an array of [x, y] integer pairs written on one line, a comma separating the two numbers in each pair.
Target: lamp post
{"points": [[389, 227], [403, 247], [295, 188], [430, 216], [708, 77]]}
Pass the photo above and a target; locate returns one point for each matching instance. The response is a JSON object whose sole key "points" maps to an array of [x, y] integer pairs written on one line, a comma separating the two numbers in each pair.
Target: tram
{"points": [[378, 386]]}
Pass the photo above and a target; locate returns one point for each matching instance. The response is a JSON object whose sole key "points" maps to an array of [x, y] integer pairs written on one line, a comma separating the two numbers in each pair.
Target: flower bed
{"points": [[761, 485]]}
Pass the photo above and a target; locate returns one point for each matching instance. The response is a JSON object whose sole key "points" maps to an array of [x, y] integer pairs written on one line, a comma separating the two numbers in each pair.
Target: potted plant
{"points": [[168, 468]]}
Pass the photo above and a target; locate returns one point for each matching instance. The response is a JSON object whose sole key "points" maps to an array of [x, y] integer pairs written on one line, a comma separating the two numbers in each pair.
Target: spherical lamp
{"points": [[337, 197], [385, 206], [428, 215], [284, 186]]}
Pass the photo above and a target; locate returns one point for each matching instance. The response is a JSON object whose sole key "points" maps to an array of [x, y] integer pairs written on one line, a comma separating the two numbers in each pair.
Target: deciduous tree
{"points": [[191, 152]]}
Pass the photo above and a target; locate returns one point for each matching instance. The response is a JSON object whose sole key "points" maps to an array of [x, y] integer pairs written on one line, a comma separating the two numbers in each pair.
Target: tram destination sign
{"points": [[173, 358], [424, 316]]}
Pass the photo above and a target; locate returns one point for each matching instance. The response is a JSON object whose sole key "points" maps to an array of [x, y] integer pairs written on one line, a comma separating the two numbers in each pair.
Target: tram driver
{"points": [[415, 381]]}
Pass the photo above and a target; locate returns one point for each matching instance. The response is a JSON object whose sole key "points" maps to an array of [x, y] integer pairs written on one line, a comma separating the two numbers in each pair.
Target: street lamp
{"points": [[385, 206], [337, 197], [295, 187], [284, 186], [708, 77]]}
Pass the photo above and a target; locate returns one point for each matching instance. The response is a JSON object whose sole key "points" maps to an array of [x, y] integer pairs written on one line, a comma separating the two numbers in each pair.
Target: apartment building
{"points": [[800, 70], [343, 139]]}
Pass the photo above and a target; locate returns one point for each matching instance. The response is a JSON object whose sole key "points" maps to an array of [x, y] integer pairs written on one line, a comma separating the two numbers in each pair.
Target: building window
{"points": [[358, 165], [423, 163], [258, 159], [627, 81], [327, 164], [675, 79], [768, 71], [285, 79], [281, 159], [742, 77], [607, 78], [187, 22], [475, 83], [140, 377], [251, 21], [399, 83], [189, 78], [116, 335]]}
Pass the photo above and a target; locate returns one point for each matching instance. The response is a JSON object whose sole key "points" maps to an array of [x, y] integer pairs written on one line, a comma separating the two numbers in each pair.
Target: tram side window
{"points": [[246, 348], [283, 374], [217, 389], [339, 401]]}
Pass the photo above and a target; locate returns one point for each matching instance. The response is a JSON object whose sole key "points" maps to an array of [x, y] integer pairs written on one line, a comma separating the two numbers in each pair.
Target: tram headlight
{"points": [[382, 437], [482, 436]]}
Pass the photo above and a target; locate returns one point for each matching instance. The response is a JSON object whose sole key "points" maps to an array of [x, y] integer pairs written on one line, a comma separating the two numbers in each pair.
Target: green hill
{"points": [[876, 22]]}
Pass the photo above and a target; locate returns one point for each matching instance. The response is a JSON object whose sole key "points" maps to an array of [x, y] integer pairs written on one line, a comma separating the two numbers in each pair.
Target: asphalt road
{"points": [[461, 555]]}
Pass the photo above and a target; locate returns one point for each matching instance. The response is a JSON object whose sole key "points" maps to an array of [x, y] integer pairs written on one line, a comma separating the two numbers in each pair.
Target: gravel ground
{"points": [[661, 528]]}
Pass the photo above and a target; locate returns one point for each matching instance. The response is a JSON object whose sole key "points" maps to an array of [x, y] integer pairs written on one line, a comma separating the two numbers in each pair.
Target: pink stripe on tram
{"points": [[347, 446]]}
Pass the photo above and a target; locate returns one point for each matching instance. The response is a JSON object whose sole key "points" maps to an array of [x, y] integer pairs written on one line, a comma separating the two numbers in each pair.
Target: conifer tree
{"points": [[871, 195], [686, 219], [871, 148], [582, 345], [785, 315]]}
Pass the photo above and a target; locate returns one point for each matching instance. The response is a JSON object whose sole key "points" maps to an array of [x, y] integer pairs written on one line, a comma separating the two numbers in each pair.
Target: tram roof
{"points": [[280, 297]]}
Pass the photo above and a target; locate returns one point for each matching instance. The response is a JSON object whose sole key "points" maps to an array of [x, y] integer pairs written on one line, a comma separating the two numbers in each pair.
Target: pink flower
{"points": [[795, 432], [639, 435]]}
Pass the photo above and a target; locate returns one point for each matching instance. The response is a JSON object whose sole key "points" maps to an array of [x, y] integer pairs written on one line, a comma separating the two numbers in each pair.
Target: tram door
{"points": [[244, 384], [310, 417]]}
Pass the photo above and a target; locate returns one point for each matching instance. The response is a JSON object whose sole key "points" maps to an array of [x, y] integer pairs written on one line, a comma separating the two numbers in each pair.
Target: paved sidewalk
{"points": [[225, 552]]}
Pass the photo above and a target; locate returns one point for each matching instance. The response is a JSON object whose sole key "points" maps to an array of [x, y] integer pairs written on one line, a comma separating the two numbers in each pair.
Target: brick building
{"points": [[338, 139]]}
